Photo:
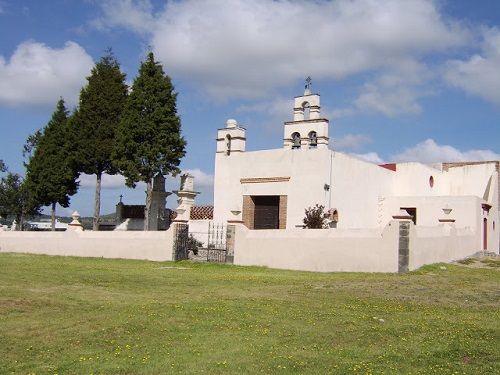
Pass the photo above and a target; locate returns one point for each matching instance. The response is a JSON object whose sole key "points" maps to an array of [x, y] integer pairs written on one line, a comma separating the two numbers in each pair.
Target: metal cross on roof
{"points": [[308, 83]]}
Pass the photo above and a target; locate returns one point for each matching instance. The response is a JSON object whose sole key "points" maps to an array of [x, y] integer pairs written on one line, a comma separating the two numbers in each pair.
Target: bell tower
{"points": [[307, 130], [231, 138]]}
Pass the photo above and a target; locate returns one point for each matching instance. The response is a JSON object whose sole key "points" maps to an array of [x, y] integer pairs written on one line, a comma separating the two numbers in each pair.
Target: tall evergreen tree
{"points": [[30, 145], [149, 140], [94, 123], [50, 178], [15, 199]]}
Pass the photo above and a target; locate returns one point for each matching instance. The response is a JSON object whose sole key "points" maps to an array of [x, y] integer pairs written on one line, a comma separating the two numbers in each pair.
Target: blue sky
{"points": [[413, 80]]}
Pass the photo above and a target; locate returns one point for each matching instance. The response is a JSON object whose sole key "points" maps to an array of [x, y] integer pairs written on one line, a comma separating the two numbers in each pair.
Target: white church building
{"points": [[382, 218], [270, 189]]}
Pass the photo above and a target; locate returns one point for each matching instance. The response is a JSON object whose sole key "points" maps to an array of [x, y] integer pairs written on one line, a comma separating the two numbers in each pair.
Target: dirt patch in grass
{"points": [[467, 261], [491, 262], [481, 260]]}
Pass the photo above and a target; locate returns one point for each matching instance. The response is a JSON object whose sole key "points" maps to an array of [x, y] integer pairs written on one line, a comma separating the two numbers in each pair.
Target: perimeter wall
{"points": [[353, 250], [156, 246], [394, 248], [323, 250]]}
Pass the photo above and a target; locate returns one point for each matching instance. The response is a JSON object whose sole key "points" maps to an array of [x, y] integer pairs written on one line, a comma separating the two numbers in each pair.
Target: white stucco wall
{"points": [[355, 185], [412, 179], [364, 194], [469, 180], [127, 245], [357, 190], [443, 243], [481, 180], [131, 224], [352, 250], [465, 210], [463, 188], [320, 250], [308, 170], [199, 230]]}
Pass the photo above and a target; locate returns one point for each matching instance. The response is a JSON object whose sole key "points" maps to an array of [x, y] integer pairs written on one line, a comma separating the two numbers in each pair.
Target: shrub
{"points": [[194, 244], [316, 217]]}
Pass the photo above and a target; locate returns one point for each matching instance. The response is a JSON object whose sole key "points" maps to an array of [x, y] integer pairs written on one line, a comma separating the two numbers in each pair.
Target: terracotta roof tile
{"points": [[202, 213]]}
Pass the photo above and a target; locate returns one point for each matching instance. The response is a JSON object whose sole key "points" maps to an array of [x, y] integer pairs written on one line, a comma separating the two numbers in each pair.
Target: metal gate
{"points": [[181, 236], [212, 245], [216, 248]]}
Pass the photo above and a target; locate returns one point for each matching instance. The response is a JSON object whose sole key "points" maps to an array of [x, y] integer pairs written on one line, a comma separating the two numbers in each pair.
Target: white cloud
{"points": [[108, 181], [38, 74], [60, 211], [279, 109], [479, 75], [246, 49], [431, 152], [351, 142], [201, 179], [135, 15], [371, 157], [203, 183], [270, 113], [397, 91], [400, 100]]}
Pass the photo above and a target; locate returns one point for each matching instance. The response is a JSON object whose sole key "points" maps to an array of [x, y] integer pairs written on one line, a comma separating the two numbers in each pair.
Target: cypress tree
{"points": [[149, 140], [94, 123], [50, 178]]}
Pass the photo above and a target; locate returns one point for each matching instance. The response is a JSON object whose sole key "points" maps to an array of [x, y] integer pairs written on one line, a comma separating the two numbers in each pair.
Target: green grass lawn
{"points": [[70, 315]]}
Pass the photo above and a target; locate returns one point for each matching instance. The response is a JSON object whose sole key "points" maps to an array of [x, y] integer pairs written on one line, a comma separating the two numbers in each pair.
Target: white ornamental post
{"points": [[75, 225]]}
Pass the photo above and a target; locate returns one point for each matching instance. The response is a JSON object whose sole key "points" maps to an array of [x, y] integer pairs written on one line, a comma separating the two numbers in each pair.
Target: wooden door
{"points": [[266, 212]]}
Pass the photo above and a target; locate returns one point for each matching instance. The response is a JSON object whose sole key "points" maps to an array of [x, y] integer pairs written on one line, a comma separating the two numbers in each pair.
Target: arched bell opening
{"points": [[306, 110], [296, 140], [228, 144], [313, 139]]}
